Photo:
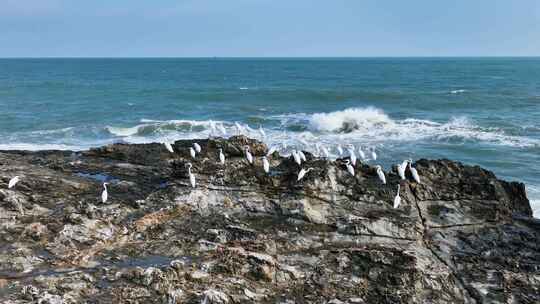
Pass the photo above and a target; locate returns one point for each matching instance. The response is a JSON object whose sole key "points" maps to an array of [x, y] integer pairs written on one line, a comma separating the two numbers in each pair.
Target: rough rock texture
{"points": [[242, 236]]}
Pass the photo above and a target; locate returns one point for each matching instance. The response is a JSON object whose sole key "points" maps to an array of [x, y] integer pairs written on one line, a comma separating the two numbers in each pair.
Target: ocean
{"points": [[481, 111]]}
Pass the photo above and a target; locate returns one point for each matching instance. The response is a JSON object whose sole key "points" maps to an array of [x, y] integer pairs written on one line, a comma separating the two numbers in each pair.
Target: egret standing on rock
{"points": [[221, 157], [380, 173], [373, 153], [352, 155], [13, 182], [414, 172], [197, 147], [401, 170], [191, 176], [397, 199], [350, 168], [168, 146], [302, 173], [192, 152], [104, 194], [302, 156], [361, 153], [296, 157], [249, 157], [266, 164]]}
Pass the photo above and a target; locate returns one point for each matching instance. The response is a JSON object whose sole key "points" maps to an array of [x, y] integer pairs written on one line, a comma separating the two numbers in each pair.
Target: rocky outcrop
{"points": [[243, 236]]}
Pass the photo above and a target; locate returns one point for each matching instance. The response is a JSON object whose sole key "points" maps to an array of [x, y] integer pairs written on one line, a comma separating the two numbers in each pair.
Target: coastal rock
{"points": [[244, 236]]}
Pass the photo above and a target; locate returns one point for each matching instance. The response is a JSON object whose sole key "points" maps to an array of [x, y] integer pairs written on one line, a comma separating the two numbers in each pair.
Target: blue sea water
{"points": [[483, 111]]}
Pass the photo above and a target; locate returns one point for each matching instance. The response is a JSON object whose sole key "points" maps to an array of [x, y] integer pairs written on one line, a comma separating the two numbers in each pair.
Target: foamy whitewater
{"points": [[478, 111]]}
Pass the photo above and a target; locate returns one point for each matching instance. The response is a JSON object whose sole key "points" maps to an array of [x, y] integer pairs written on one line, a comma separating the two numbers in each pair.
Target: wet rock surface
{"points": [[243, 236]]}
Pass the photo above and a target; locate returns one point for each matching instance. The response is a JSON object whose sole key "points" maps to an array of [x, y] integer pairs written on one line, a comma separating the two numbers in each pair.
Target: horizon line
{"points": [[266, 57]]}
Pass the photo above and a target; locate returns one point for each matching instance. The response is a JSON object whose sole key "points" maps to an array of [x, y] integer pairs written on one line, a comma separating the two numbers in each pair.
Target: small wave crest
{"points": [[350, 120]]}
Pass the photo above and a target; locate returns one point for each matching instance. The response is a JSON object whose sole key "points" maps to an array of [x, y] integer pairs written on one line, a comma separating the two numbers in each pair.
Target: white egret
{"points": [[197, 147], [191, 176], [404, 164], [266, 164], [380, 173], [296, 157], [397, 199], [302, 156], [401, 170], [302, 173], [104, 194], [361, 153], [414, 172], [192, 152], [261, 131], [271, 151], [168, 146], [13, 182], [339, 150], [352, 155], [249, 157], [350, 168], [373, 154], [221, 157]]}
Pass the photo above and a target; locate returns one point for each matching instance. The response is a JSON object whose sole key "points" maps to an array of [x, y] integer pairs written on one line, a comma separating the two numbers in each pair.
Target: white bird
{"points": [[302, 173], [401, 170], [261, 131], [340, 150], [302, 156], [414, 172], [361, 153], [266, 164], [350, 168], [271, 151], [296, 157], [191, 176], [13, 182], [380, 173], [373, 154], [192, 152], [352, 155], [221, 157], [404, 164], [169, 147], [197, 147], [104, 194], [397, 199], [249, 157]]}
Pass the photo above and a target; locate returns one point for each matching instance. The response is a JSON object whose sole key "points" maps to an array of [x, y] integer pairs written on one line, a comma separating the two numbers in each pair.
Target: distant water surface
{"points": [[483, 111]]}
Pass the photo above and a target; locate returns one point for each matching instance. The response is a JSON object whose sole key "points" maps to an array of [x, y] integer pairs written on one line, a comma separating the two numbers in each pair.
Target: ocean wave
{"points": [[458, 91]]}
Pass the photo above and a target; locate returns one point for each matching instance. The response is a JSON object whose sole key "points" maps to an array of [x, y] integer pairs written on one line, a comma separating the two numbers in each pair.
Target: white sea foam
{"points": [[458, 91]]}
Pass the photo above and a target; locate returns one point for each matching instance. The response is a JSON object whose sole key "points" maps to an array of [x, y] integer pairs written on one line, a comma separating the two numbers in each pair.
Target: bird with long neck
{"points": [[221, 156], [397, 198], [13, 182], [104, 194], [266, 164], [414, 172], [249, 157], [350, 168], [191, 175], [380, 173], [302, 173]]}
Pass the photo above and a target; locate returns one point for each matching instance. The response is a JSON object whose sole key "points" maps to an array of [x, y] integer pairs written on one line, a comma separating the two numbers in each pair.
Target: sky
{"points": [[268, 28]]}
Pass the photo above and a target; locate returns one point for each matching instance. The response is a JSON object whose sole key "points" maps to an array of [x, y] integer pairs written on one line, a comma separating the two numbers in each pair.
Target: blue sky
{"points": [[200, 28]]}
